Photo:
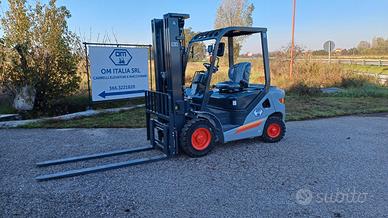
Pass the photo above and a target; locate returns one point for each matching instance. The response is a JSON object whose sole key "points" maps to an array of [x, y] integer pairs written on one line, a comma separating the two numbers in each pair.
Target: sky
{"points": [[346, 22]]}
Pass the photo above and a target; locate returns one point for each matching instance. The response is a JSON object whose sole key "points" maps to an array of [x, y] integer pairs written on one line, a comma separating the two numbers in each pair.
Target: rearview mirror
{"points": [[221, 49]]}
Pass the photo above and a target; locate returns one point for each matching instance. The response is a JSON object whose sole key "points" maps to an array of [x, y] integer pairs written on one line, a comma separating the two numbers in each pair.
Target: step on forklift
{"points": [[193, 119]]}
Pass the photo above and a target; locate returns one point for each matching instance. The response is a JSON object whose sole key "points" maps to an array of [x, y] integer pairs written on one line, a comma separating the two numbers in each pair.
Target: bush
{"points": [[303, 90], [316, 75], [40, 52], [356, 81], [308, 73]]}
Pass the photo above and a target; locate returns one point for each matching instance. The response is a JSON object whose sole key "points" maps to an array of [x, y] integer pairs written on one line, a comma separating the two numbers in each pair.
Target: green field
{"points": [[368, 69]]}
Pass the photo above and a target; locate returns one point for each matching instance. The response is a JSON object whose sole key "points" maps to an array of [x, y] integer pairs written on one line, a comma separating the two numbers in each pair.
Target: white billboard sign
{"points": [[118, 72]]}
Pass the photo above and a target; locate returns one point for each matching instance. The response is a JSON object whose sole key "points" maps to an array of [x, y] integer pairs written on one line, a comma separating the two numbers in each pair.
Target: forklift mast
{"points": [[169, 50]]}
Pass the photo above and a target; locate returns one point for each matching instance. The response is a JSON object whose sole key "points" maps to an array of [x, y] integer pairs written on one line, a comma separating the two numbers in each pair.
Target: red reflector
{"points": [[282, 100]]}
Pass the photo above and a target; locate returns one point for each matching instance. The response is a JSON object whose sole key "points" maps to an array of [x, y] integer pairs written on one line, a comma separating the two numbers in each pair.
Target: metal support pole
{"points": [[150, 57], [88, 75], [230, 52], [329, 52], [292, 39]]}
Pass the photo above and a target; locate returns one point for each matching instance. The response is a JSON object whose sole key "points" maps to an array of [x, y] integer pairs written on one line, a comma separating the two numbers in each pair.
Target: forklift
{"points": [[194, 119]]}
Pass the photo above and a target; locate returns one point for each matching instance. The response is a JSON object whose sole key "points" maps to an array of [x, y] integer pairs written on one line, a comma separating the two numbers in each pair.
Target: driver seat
{"points": [[238, 78]]}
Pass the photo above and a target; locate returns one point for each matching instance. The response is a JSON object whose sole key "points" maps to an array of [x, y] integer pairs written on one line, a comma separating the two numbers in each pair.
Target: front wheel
{"points": [[274, 130], [197, 137]]}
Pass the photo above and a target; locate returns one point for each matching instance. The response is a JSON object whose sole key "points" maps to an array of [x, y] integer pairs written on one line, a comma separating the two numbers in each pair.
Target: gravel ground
{"points": [[331, 167]]}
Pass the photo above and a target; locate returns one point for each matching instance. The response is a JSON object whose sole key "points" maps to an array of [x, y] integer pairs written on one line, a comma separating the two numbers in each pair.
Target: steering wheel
{"points": [[207, 66]]}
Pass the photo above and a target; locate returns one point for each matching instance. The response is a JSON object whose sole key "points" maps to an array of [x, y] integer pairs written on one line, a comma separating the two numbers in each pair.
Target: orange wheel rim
{"points": [[274, 130], [200, 139]]}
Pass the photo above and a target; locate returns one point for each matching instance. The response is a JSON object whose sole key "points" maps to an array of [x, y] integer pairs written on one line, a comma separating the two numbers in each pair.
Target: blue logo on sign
{"points": [[120, 57]]}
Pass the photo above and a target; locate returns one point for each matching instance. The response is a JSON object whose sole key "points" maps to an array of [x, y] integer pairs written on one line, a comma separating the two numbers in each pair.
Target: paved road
{"points": [[331, 167]]}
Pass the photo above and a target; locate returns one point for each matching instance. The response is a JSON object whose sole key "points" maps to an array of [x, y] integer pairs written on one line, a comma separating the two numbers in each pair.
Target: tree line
{"points": [[378, 46]]}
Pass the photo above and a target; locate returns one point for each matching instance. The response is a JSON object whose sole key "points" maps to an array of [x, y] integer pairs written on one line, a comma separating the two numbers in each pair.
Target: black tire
{"points": [[205, 129], [273, 123]]}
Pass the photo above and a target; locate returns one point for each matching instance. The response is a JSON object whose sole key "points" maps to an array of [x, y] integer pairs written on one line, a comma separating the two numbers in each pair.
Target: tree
{"points": [[40, 50], [16, 26], [378, 42], [350, 51], [284, 53], [2, 60], [234, 13], [379, 46], [199, 48], [363, 45]]}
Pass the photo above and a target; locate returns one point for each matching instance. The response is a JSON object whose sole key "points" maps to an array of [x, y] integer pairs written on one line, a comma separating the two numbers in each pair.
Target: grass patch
{"points": [[368, 69], [367, 90], [6, 109], [77, 103], [302, 108], [298, 108], [127, 119]]}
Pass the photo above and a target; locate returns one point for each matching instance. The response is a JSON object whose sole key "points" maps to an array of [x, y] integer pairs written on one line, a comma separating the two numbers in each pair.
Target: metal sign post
{"points": [[292, 39], [329, 52], [329, 47], [88, 75]]}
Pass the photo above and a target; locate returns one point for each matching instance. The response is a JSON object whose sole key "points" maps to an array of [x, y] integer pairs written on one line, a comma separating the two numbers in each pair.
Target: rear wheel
{"points": [[197, 137], [274, 130]]}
